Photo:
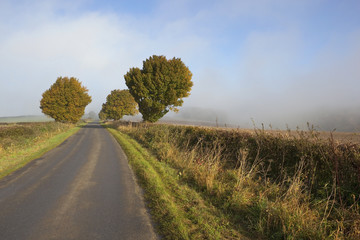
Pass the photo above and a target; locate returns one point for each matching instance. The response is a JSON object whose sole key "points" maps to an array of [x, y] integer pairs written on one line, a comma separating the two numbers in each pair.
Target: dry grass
{"points": [[278, 185], [20, 143], [179, 210]]}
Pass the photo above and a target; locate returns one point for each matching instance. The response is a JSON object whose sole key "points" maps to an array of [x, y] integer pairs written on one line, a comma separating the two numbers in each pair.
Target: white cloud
{"points": [[95, 47]]}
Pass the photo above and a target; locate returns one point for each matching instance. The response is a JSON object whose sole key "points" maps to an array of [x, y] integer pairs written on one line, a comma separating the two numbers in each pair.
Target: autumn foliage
{"points": [[65, 100], [159, 86], [118, 104]]}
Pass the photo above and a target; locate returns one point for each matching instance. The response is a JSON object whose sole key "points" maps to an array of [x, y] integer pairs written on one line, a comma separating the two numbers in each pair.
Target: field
{"points": [[23, 142], [211, 183], [340, 137], [30, 118]]}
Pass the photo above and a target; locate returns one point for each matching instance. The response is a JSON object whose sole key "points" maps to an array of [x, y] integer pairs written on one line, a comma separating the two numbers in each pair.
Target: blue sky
{"points": [[279, 62]]}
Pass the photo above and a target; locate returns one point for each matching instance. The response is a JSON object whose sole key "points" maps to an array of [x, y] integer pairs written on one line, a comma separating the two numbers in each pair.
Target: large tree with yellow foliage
{"points": [[65, 100], [159, 86]]}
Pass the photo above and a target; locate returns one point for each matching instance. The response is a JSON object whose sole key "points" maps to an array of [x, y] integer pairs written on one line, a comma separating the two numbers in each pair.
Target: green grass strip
{"points": [[19, 159], [179, 211], [160, 201]]}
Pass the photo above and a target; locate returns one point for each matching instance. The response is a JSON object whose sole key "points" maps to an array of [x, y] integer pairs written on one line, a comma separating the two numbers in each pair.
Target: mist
{"points": [[341, 120], [282, 64]]}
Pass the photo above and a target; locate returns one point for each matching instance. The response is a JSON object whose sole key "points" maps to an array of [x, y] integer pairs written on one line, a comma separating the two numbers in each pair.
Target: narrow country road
{"points": [[83, 189]]}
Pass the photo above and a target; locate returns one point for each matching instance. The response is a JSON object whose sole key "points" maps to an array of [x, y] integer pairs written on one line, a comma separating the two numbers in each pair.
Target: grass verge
{"points": [[179, 211], [20, 144], [273, 186]]}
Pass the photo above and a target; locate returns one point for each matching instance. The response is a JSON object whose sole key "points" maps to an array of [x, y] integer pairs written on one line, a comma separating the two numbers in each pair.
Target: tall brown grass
{"points": [[277, 186]]}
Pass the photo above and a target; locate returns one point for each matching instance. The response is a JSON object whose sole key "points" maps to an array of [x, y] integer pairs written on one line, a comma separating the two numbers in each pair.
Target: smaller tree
{"points": [[102, 115], [65, 100], [118, 104]]}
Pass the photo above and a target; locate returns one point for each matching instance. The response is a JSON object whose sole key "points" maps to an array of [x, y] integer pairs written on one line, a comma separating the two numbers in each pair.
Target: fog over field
{"points": [[344, 119], [283, 63]]}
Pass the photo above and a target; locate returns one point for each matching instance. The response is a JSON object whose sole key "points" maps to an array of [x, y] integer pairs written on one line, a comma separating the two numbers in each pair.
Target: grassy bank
{"points": [[180, 211], [21, 143], [271, 186]]}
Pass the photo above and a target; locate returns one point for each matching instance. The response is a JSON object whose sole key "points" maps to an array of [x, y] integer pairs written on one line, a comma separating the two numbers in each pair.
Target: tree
{"points": [[159, 86], [102, 115], [118, 104], [65, 100]]}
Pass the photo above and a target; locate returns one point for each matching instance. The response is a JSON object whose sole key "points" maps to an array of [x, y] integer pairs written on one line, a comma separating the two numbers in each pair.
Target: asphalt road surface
{"points": [[83, 189]]}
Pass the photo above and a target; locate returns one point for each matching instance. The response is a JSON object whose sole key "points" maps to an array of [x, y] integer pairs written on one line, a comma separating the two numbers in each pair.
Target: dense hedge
{"points": [[326, 163]]}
